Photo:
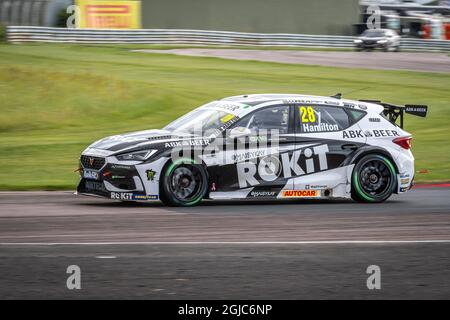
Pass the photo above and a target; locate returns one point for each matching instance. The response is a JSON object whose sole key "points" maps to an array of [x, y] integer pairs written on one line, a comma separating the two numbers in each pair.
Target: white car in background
{"points": [[385, 39]]}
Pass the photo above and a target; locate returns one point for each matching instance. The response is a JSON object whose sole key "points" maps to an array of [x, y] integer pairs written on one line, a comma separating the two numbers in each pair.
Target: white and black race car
{"points": [[384, 39], [262, 146]]}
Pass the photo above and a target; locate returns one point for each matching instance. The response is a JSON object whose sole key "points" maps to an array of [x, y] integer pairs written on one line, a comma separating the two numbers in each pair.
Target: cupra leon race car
{"points": [[262, 146], [384, 39]]}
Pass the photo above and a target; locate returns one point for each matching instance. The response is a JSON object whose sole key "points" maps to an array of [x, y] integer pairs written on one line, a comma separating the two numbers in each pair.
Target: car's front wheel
{"points": [[373, 179], [184, 183]]}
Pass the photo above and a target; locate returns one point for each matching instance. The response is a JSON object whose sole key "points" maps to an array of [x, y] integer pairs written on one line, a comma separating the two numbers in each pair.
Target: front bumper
{"points": [[371, 45], [107, 178], [97, 188]]}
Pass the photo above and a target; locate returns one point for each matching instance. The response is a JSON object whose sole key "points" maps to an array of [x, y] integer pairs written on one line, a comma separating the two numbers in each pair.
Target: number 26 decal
{"points": [[307, 114]]}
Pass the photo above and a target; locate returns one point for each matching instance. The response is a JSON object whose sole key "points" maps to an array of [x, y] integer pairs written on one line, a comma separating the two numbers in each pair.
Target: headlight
{"points": [[357, 41], [381, 41], [141, 155]]}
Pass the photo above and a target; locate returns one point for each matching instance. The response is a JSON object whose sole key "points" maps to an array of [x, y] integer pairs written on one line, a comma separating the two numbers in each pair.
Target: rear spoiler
{"points": [[393, 112]]}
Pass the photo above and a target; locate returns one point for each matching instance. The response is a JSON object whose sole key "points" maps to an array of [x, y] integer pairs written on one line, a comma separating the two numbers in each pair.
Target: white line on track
{"points": [[220, 242]]}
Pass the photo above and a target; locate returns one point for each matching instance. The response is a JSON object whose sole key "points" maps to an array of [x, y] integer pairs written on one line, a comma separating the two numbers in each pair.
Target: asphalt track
{"points": [[229, 250], [412, 61]]}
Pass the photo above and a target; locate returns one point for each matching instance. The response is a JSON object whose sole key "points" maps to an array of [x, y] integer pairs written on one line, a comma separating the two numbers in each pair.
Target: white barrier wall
{"points": [[17, 34]]}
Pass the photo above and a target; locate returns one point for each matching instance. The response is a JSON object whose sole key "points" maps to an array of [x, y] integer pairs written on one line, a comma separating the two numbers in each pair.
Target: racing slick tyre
{"points": [[373, 179], [184, 183]]}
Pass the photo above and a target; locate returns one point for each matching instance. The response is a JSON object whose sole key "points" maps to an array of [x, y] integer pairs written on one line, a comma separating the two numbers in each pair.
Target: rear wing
{"points": [[394, 112]]}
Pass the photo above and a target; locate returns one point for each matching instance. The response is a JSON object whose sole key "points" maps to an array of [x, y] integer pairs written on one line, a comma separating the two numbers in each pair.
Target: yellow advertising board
{"points": [[105, 14]]}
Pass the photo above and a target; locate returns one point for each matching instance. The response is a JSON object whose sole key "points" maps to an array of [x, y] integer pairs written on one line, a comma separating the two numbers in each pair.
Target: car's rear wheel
{"points": [[373, 179], [184, 183]]}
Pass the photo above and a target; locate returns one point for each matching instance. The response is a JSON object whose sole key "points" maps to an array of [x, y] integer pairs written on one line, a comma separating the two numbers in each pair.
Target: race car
{"points": [[384, 39], [259, 146]]}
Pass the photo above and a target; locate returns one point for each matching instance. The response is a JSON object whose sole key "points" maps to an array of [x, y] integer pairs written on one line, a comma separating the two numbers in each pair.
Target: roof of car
{"points": [[382, 30], [258, 99], [375, 30]]}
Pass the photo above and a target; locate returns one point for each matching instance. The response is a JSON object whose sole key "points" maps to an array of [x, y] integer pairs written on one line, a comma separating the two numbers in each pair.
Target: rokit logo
{"points": [[121, 196], [270, 168]]}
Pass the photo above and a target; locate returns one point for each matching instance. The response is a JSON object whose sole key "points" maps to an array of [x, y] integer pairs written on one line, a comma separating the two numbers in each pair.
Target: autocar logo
{"points": [[91, 162], [300, 194]]}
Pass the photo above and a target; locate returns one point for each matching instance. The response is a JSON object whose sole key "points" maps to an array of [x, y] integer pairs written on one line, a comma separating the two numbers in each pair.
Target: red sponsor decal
{"points": [[103, 8], [108, 16], [300, 193]]}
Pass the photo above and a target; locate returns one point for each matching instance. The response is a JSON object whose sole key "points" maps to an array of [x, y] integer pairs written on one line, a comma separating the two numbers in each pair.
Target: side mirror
{"points": [[239, 132]]}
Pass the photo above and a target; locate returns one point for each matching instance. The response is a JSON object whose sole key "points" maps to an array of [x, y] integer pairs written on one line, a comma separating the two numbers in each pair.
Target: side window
{"points": [[276, 117], [322, 119], [356, 115]]}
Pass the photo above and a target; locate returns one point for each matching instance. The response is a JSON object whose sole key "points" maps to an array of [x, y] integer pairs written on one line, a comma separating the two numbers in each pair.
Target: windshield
{"points": [[201, 121], [373, 33]]}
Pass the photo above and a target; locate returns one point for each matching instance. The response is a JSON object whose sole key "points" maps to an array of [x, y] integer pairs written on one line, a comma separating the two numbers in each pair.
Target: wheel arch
{"points": [[359, 154], [170, 162], [354, 158]]}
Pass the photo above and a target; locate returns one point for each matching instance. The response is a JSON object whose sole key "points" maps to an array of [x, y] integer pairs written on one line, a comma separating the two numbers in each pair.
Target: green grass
{"points": [[57, 99], [2, 33]]}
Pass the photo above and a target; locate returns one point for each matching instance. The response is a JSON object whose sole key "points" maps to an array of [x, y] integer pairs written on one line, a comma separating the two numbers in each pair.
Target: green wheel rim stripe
{"points": [[357, 183], [195, 200], [390, 166], [174, 165], [358, 188]]}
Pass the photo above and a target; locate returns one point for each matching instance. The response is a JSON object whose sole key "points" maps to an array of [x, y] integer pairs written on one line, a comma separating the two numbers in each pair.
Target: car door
{"points": [[325, 136], [253, 163]]}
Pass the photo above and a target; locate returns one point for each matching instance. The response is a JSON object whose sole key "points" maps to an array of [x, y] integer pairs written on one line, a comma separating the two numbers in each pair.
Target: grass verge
{"points": [[57, 99]]}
